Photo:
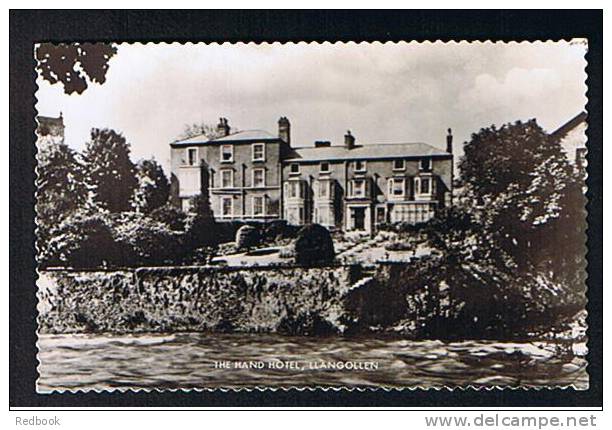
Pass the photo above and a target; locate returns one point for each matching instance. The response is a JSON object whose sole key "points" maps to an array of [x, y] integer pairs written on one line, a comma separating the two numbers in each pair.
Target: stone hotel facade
{"points": [[256, 176]]}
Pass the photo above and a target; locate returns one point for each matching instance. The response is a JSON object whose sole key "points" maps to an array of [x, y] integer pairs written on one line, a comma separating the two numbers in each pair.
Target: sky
{"points": [[383, 93]]}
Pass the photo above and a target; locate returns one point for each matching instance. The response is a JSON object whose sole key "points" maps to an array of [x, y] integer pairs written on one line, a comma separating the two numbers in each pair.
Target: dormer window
{"points": [[425, 164], [360, 166], [324, 167], [259, 152], [399, 164], [227, 153], [294, 168], [192, 156]]}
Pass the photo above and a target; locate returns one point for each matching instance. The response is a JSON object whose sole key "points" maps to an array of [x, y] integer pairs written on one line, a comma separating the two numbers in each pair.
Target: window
{"points": [[292, 189], [259, 152], [227, 178], [295, 168], [323, 189], [399, 165], [192, 156], [425, 186], [227, 153], [360, 166], [258, 205], [259, 178], [324, 167], [189, 182], [359, 188], [425, 164], [397, 186], [227, 207]]}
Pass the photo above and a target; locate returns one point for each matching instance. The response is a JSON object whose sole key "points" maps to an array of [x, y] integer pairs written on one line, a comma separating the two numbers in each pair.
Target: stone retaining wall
{"points": [[293, 300]]}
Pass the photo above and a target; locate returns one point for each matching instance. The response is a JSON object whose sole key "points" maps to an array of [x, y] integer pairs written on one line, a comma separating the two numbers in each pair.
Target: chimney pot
{"points": [[349, 140], [223, 128], [449, 141], [284, 130]]}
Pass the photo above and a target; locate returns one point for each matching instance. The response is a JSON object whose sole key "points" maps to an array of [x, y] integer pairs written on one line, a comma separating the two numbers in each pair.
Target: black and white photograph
{"points": [[311, 215]]}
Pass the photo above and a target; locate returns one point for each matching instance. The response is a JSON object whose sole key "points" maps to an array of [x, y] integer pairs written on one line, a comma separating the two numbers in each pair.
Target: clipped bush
{"points": [[247, 237], [314, 245]]}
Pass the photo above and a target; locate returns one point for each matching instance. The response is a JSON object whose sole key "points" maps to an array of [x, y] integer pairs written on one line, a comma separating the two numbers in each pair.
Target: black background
{"points": [[29, 27]]}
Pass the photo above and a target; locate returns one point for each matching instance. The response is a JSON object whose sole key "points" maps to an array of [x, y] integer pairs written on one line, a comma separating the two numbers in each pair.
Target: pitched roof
{"points": [[364, 152], [241, 136], [570, 125]]}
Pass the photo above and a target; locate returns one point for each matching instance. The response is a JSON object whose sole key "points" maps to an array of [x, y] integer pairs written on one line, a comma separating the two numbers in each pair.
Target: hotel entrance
{"points": [[359, 218]]}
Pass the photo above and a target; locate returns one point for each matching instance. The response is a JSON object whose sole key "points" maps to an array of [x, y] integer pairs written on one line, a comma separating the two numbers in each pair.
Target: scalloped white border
{"points": [[526, 387]]}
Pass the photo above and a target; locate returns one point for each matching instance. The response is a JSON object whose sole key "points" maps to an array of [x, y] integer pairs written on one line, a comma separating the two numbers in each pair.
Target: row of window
{"points": [[360, 188], [360, 166], [258, 153], [410, 213], [258, 178], [258, 206]]}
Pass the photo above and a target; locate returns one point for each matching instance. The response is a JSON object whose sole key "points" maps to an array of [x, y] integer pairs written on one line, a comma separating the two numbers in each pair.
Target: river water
{"points": [[199, 360]]}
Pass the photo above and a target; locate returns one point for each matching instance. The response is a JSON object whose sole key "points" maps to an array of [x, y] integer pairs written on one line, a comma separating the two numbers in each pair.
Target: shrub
{"points": [[277, 230], [149, 241], [84, 241], [171, 216], [400, 246], [314, 245], [247, 237]]}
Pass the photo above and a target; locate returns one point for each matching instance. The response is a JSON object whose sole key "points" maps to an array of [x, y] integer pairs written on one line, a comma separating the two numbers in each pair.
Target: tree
{"points": [[524, 187], [60, 184], [110, 174], [198, 129], [153, 187], [74, 65]]}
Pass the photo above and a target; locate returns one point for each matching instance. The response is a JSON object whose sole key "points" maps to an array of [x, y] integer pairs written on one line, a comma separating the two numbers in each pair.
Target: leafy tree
{"points": [[153, 187], [74, 65], [111, 178], [513, 264], [60, 184], [528, 193]]}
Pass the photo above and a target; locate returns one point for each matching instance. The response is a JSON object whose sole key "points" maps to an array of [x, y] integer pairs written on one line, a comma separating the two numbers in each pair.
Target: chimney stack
{"points": [[449, 141], [284, 130], [349, 140], [223, 128]]}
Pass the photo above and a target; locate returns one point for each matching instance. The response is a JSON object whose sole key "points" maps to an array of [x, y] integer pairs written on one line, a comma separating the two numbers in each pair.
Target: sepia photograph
{"points": [[356, 216]]}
